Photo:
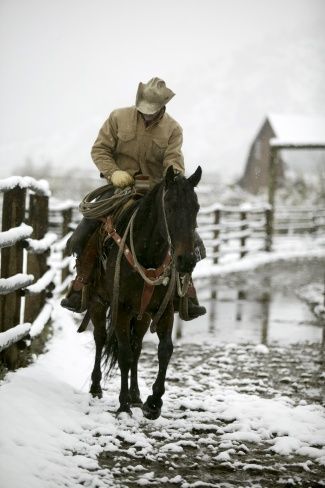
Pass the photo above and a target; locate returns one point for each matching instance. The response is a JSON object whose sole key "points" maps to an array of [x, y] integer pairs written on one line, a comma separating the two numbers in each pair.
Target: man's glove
{"points": [[121, 179]]}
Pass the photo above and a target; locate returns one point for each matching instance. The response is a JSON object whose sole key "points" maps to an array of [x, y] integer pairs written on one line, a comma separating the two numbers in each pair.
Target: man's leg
{"points": [[188, 307], [193, 308], [83, 243]]}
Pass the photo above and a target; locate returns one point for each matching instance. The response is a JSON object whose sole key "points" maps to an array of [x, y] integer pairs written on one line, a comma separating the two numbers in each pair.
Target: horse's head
{"points": [[181, 208]]}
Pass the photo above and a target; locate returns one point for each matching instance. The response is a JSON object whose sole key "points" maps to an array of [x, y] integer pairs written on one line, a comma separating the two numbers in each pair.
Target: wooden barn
{"points": [[285, 128]]}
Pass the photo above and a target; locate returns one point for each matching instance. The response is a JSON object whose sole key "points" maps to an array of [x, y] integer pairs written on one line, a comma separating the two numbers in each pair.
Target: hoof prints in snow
{"points": [[228, 419]]}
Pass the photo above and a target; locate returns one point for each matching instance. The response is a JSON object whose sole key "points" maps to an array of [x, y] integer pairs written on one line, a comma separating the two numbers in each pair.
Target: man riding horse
{"points": [[142, 140]]}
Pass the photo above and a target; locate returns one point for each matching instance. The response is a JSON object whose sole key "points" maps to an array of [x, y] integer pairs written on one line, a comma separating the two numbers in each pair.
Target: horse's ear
{"points": [[170, 175], [195, 178]]}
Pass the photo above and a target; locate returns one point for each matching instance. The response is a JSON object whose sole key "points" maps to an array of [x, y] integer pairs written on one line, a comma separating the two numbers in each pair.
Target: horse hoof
{"points": [[124, 409], [151, 412], [96, 392]]}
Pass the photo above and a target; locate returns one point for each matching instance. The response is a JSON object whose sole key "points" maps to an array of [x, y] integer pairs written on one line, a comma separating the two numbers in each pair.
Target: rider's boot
{"points": [[189, 307], [75, 299], [194, 309]]}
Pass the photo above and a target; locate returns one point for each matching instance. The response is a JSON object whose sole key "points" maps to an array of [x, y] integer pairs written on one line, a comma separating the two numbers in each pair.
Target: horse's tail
{"points": [[110, 351]]}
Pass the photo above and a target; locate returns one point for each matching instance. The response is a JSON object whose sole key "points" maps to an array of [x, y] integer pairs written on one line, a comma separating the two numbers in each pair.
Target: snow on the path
{"points": [[52, 431], [257, 419], [47, 425]]}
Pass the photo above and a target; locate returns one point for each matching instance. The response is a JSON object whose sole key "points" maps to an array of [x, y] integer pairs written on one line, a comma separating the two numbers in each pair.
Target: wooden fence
{"points": [[27, 277], [34, 261], [238, 230]]}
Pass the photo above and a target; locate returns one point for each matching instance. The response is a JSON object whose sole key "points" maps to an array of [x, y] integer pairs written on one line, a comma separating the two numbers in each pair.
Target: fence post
{"points": [[315, 221], [243, 228], [215, 249], [268, 224], [37, 263], [216, 235], [66, 221], [13, 214], [272, 187]]}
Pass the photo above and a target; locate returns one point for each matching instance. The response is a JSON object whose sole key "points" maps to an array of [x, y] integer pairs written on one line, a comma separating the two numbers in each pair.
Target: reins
{"points": [[166, 272], [163, 275], [116, 290]]}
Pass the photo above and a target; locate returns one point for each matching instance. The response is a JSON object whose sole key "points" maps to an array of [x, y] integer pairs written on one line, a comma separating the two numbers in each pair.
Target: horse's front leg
{"points": [[125, 357], [153, 404], [139, 329], [98, 318]]}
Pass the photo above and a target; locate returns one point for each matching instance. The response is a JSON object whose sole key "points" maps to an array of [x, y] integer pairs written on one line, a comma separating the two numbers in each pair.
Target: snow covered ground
{"points": [[234, 414], [243, 403]]}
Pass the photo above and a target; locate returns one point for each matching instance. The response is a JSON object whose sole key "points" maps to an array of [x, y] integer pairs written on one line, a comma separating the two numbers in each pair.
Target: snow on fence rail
{"points": [[27, 279]]}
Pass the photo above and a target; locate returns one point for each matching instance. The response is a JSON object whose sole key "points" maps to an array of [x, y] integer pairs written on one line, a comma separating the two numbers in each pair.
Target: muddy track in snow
{"points": [[198, 443]]}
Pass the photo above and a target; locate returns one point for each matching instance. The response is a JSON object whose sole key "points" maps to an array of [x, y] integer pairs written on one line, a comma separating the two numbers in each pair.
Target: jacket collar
{"points": [[155, 121]]}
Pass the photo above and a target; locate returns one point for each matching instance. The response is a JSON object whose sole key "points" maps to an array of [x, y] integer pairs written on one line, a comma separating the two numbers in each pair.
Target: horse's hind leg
{"points": [[139, 329], [153, 404], [98, 318]]}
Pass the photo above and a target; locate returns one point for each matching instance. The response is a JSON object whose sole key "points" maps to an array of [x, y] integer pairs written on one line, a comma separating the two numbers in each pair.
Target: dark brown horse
{"points": [[165, 221]]}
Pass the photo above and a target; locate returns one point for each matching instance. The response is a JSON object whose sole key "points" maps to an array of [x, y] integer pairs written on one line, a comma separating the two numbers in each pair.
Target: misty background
{"points": [[65, 65]]}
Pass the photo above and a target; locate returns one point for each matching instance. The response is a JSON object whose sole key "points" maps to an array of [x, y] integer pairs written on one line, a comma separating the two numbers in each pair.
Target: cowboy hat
{"points": [[152, 96]]}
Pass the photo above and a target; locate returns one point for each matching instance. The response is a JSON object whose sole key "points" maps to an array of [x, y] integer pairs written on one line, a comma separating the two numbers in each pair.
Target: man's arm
{"points": [[173, 154], [103, 148]]}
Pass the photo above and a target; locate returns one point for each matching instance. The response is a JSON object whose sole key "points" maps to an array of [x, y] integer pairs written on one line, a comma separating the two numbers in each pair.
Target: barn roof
{"points": [[297, 129]]}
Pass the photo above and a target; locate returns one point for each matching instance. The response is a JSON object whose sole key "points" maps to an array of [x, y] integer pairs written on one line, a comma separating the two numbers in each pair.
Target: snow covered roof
{"points": [[298, 129]]}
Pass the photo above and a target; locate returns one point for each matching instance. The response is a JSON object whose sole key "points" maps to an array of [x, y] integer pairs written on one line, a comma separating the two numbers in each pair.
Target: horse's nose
{"points": [[185, 263]]}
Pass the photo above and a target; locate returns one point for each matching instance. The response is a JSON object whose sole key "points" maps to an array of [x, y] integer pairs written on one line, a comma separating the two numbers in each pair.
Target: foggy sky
{"points": [[64, 63]]}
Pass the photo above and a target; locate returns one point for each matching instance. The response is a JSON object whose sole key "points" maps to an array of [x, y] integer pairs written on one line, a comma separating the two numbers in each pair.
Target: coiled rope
{"points": [[105, 206]]}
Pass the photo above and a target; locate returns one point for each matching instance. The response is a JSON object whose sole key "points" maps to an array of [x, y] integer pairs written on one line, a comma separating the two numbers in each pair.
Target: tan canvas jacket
{"points": [[124, 142]]}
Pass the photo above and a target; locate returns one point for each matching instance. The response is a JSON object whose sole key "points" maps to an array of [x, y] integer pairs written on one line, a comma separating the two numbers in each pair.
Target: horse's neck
{"points": [[150, 245]]}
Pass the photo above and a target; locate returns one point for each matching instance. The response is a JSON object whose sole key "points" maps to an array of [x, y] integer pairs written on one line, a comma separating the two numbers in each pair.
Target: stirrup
{"points": [[84, 299], [189, 310], [183, 308]]}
